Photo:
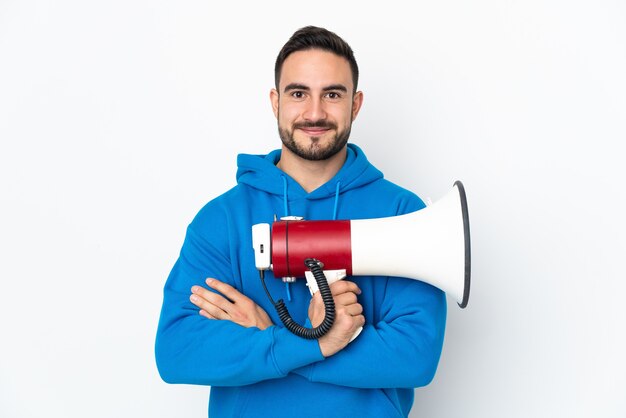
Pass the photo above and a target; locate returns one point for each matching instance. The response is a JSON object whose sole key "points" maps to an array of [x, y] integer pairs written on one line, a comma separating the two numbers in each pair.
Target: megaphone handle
{"points": [[332, 276], [329, 305]]}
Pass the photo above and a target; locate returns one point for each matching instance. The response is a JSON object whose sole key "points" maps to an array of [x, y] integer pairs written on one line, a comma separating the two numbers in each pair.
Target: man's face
{"points": [[315, 105]]}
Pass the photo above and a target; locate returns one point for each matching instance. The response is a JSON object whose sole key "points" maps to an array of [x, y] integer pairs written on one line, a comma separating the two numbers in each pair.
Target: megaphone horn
{"points": [[431, 245]]}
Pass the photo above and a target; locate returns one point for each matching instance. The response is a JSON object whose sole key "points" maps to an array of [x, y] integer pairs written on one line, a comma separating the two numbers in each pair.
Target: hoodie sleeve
{"points": [[400, 350], [191, 349]]}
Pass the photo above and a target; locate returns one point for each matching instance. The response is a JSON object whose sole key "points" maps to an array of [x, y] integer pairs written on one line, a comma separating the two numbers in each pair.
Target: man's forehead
{"points": [[316, 69]]}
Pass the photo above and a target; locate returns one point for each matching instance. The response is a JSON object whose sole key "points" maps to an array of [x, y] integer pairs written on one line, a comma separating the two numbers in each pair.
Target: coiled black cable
{"points": [[329, 305]]}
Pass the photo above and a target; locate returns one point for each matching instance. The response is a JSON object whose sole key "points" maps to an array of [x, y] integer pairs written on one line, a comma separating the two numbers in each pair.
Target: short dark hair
{"points": [[312, 37]]}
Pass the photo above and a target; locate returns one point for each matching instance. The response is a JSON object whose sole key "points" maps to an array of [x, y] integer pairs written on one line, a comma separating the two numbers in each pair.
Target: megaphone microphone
{"points": [[431, 245]]}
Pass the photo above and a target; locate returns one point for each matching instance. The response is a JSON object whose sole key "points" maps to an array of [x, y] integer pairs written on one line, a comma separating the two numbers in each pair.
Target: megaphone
{"points": [[431, 245]]}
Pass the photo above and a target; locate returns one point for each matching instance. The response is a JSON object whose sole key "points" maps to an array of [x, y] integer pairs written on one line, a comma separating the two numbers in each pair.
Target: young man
{"points": [[217, 325]]}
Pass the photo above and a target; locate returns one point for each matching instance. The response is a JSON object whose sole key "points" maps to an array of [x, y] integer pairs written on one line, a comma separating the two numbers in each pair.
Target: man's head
{"points": [[315, 99], [312, 37]]}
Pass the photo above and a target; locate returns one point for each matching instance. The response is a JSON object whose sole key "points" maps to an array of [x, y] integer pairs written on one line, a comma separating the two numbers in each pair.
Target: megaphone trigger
{"points": [[331, 276]]}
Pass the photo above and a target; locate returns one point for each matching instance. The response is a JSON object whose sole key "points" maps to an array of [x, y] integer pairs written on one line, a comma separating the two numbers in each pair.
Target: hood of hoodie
{"points": [[260, 172]]}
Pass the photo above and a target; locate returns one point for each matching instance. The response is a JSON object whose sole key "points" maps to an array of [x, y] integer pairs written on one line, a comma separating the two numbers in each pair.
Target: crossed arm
{"points": [[232, 305]]}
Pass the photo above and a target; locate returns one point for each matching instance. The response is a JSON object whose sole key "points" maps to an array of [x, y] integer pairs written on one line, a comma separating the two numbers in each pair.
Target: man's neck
{"points": [[310, 174]]}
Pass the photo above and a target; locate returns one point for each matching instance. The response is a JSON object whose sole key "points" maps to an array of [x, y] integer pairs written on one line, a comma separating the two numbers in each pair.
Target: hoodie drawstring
{"points": [[285, 208], [288, 290], [286, 213], [336, 201]]}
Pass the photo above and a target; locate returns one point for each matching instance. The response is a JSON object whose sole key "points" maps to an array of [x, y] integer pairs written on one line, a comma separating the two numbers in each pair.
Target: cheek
{"points": [[342, 116], [287, 114]]}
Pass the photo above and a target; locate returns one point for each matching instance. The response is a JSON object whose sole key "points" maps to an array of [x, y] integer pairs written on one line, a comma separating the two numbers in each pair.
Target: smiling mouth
{"points": [[315, 128], [314, 131]]}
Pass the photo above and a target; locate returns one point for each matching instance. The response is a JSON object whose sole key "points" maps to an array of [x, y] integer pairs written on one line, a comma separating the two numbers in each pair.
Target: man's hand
{"points": [[348, 316], [233, 306]]}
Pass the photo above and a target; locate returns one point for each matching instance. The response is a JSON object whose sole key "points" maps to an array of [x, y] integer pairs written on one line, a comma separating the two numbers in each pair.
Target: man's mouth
{"points": [[314, 129]]}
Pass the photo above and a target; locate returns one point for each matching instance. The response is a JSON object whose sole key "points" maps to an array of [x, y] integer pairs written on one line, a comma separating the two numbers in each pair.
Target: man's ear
{"points": [[274, 96], [357, 102]]}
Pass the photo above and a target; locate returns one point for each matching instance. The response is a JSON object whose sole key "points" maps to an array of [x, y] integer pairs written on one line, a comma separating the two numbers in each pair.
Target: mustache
{"points": [[316, 124]]}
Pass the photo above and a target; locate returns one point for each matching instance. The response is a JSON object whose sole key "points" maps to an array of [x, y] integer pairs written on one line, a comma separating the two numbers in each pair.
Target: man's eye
{"points": [[333, 95], [297, 95]]}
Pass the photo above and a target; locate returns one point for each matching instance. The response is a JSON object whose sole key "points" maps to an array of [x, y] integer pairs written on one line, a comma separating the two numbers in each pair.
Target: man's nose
{"points": [[315, 110]]}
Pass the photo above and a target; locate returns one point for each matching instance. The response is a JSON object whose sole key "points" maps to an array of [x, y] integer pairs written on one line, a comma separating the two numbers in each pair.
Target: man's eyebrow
{"points": [[339, 87], [298, 86]]}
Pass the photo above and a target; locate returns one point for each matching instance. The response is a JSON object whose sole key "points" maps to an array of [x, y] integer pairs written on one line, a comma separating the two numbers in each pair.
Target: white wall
{"points": [[120, 119]]}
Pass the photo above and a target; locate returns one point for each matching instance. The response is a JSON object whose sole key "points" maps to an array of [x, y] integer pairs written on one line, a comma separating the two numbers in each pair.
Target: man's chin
{"points": [[312, 147], [318, 153]]}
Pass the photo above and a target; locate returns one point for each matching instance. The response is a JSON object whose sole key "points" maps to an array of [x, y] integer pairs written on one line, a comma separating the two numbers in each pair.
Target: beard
{"points": [[315, 151]]}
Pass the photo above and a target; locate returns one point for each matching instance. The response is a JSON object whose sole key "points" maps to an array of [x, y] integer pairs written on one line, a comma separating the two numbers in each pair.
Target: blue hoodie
{"points": [[273, 373]]}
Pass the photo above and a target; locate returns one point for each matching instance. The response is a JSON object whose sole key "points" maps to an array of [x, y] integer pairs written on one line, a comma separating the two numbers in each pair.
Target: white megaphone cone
{"points": [[431, 245]]}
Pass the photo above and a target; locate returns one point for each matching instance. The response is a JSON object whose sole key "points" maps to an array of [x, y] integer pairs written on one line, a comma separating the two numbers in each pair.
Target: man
{"points": [[224, 332]]}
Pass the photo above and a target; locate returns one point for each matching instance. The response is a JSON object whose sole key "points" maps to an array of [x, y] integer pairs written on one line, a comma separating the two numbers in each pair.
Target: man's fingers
{"points": [[343, 286], [344, 293], [215, 304], [345, 299], [206, 314], [216, 312], [349, 303], [220, 305], [241, 309], [225, 289], [354, 310], [210, 310]]}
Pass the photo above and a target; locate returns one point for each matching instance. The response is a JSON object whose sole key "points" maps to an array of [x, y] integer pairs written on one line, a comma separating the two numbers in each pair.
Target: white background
{"points": [[120, 119]]}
